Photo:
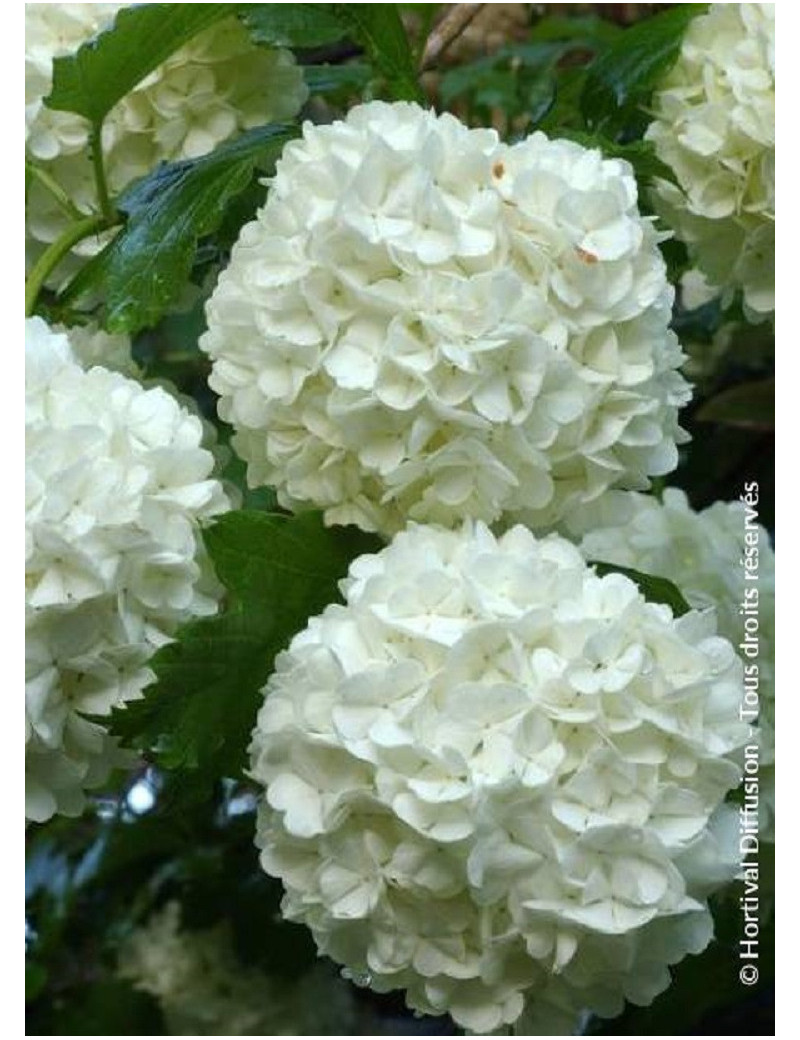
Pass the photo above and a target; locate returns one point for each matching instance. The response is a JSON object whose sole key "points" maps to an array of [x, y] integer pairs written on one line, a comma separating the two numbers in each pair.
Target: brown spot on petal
{"points": [[585, 255], [498, 169]]}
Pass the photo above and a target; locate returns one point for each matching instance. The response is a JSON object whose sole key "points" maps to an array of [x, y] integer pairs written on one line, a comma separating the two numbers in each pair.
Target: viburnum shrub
{"points": [[399, 618]]}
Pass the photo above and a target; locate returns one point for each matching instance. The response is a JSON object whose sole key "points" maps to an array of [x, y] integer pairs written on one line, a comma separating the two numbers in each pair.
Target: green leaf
{"points": [[540, 96], [750, 405], [203, 705], [654, 588], [91, 81], [518, 80], [587, 30], [279, 571], [294, 25], [565, 113], [514, 60], [624, 74], [325, 79], [262, 555], [146, 265], [35, 979], [379, 29], [465, 79]]}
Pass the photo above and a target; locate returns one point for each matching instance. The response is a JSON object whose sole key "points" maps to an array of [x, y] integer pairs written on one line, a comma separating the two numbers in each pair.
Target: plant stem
{"points": [[55, 252], [447, 32], [50, 184], [96, 148]]}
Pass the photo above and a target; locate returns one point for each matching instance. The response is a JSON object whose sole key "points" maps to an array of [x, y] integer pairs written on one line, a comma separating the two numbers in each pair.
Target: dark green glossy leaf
{"points": [[585, 30], [379, 29], [279, 571], [203, 704], [750, 405], [540, 98], [625, 73], [565, 113], [653, 588], [325, 79], [279, 559], [294, 25], [147, 264], [102, 71]]}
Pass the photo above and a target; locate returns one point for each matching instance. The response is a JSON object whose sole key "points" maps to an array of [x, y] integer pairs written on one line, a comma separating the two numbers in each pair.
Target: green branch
{"points": [[82, 226], [103, 198], [51, 185], [55, 252]]}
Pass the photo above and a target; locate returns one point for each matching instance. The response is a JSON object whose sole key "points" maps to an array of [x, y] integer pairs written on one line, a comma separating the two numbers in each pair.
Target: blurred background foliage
{"points": [[581, 70]]}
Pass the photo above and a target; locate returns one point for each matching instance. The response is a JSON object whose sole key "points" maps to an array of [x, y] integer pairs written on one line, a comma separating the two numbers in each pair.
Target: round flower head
{"points": [[425, 323], [703, 554], [213, 87], [117, 482], [715, 127], [493, 779], [205, 990]]}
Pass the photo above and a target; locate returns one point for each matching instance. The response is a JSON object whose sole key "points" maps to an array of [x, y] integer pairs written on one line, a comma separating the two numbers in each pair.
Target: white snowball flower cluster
{"points": [[215, 86], [117, 482], [493, 777], [425, 323], [205, 990], [715, 127], [702, 553]]}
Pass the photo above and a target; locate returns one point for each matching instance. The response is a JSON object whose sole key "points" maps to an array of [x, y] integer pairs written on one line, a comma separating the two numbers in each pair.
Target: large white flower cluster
{"points": [[494, 779], [216, 85], [425, 323], [205, 990], [715, 127], [704, 554], [117, 481]]}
